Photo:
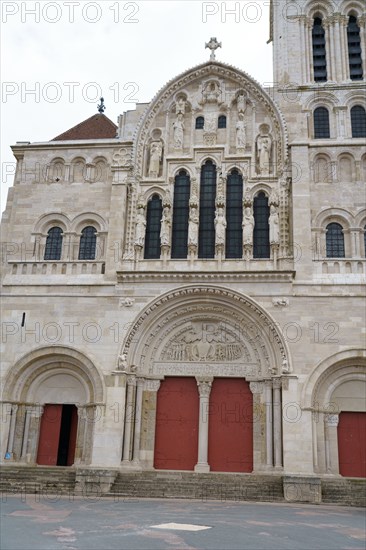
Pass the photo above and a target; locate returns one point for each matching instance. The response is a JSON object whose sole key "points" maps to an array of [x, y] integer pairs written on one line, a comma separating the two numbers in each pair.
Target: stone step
{"points": [[37, 480]]}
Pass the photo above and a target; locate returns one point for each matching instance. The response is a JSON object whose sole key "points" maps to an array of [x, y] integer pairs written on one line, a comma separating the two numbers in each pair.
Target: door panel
{"points": [[49, 435], [352, 444]]}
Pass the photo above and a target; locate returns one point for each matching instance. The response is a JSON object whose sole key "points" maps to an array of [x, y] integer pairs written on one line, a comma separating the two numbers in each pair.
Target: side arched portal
{"points": [[52, 395]]}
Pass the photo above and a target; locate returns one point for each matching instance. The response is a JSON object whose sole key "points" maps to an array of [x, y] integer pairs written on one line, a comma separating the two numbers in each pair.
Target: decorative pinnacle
{"points": [[101, 106], [213, 44]]}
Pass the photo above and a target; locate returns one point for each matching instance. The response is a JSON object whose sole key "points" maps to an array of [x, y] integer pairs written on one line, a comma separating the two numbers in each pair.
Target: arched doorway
{"points": [[198, 360], [51, 394]]}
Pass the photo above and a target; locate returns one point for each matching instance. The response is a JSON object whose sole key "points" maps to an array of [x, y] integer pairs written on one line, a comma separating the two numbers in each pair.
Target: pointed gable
{"points": [[96, 127]]}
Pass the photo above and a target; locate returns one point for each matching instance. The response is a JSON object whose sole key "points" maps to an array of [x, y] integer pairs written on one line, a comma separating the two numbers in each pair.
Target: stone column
{"points": [[13, 419], [277, 422], [34, 426], [204, 388], [148, 423], [138, 418], [314, 420], [269, 423], [257, 389], [331, 443], [129, 418], [28, 412]]}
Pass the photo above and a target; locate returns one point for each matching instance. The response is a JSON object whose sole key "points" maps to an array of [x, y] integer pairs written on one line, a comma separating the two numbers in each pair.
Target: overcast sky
{"points": [[58, 56]]}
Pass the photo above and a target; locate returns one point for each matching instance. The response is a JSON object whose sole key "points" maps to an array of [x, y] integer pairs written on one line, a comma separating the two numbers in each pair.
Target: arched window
{"points": [[234, 215], [335, 240], [88, 243], [221, 122], [354, 49], [200, 122], [358, 121], [182, 187], [206, 235], [153, 224], [261, 247], [53, 244], [321, 123], [319, 55]]}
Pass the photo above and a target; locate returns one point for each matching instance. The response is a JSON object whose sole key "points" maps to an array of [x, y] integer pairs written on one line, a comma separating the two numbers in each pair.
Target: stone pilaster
{"points": [[204, 388]]}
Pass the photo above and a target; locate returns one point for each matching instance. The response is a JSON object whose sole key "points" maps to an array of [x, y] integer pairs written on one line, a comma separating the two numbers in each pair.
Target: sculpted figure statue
{"points": [[274, 233], [165, 228], [248, 226], [140, 227], [241, 102], [220, 226], [178, 131], [156, 154], [193, 227], [122, 362], [240, 133], [264, 144]]}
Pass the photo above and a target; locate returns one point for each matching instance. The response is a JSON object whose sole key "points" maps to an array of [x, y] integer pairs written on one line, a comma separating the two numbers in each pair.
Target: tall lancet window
{"points": [[261, 247], [335, 241], [182, 188], [88, 243], [153, 224], [354, 49], [206, 236], [234, 215], [53, 244], [319, 54]]}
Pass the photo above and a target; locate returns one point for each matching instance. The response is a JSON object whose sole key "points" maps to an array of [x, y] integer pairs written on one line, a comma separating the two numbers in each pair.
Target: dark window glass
{"points": [[261, 247], [200, 122], [206, 237], [335, 241], [321, 123], [88, 243], [354, 49], [358, 121], [180, 215], [319, 55], [53, 244], [153, 224], [221, 123], [234, 215]]}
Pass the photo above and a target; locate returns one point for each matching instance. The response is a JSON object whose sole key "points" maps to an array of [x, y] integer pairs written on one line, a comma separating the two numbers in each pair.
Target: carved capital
{"points": [[204, 386], [256, 387], [277, 383], [152, 385], [331, 420], [131, 380]]}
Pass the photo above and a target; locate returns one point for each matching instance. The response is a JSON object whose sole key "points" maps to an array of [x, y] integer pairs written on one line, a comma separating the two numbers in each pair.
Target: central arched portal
{"points": [[200, 361]]}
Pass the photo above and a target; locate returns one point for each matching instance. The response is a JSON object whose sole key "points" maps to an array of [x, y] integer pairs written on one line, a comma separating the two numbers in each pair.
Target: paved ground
{"points": [[80, 523]]}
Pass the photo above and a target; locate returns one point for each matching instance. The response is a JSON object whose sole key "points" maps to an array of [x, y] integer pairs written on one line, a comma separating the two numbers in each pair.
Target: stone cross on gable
{"points": [[213, 44]]}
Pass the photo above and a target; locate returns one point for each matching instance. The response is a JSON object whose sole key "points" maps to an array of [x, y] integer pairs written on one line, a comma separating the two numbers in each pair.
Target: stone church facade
{"points": [[184, 290]]}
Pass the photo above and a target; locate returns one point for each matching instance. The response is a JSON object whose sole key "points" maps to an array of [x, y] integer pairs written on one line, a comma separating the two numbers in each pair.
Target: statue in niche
{"points": [[211, 122], [193, 226], [165, 227], [178, 126], [140, 227], [241, 102], [248, 226], [274, 222], [240, 133], [220, 226], [122, 362], [211, 92], [264, 145], [156, 155]]}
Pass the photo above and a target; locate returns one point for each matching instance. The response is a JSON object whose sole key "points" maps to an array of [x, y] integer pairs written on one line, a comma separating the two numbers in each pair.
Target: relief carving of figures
{"points": [[248, 226], [210, 122], [274, 224], [211, 92], [220, 227], [197, 344], [180, 106], [165, 227], [140, 227], [193, 226], [178, 126], [264, 147], [240, 133], [156, 155]]}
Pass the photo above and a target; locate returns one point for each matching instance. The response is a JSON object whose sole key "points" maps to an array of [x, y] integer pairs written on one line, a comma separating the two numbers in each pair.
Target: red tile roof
{"points": [[96, 127]]}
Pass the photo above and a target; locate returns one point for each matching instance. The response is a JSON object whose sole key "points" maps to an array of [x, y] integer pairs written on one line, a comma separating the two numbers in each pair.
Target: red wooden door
{"points": [[176, 436], [352, 444], [230, 442], [49, 435]]}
